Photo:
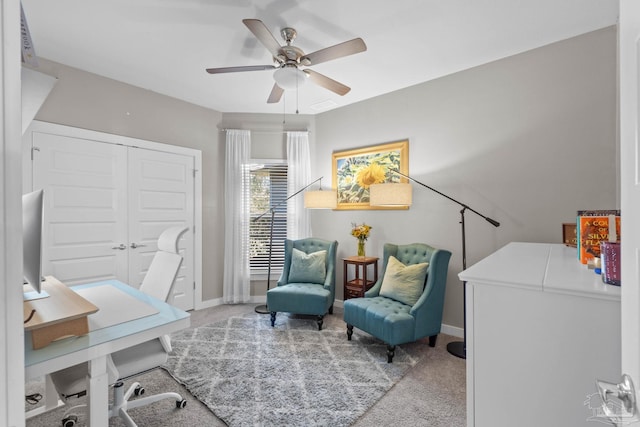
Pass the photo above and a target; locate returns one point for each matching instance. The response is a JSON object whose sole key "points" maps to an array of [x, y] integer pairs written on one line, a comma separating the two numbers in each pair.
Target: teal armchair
{"points": [[388, 317], [308, 281]]}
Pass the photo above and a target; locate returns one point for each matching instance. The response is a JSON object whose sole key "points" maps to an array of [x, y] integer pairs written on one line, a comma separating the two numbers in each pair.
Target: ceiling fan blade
{"points": [[334, 52], [276, 94], [263, 34], [327, 83], [239, 69]]}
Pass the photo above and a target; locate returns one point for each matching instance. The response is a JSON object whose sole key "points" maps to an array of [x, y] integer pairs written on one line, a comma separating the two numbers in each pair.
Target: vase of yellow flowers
{"points": [[361, 232]]}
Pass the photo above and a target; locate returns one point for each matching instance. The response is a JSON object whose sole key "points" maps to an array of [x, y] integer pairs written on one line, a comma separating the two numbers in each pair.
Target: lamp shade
{"points": [[390, 194], [289, 77], [321, 199]]}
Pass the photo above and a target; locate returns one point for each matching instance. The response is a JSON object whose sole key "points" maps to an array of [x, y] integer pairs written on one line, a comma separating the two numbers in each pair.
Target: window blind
{"points": [[268, 191]]}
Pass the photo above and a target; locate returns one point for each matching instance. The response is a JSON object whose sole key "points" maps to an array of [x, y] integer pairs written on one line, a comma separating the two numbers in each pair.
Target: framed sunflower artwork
{"points": [[355, 170]]}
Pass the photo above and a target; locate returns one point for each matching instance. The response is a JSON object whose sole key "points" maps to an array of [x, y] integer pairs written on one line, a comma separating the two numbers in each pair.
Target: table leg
{"points": [[98, 393], [364, 280], [345, 272], [375, 272]]}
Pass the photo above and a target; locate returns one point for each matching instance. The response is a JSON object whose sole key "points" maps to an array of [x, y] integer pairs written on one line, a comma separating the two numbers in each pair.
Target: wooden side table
{"points": [[360, 284]]}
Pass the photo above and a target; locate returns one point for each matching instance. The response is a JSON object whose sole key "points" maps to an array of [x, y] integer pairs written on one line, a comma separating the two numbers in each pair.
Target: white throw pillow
{"points": [[403, 283]]}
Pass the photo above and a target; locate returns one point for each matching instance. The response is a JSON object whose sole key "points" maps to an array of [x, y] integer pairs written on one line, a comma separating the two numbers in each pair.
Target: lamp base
{"points": [[458, 349], [262, 309]]}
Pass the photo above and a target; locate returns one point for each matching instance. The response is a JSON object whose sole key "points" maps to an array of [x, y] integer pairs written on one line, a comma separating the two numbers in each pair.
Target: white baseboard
{"points": [[209, 303], [452, 330], [261, 299], [219, 301]]}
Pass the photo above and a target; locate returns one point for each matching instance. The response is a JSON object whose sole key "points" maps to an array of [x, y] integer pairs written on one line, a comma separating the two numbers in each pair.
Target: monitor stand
{"points": [[29, 294]]}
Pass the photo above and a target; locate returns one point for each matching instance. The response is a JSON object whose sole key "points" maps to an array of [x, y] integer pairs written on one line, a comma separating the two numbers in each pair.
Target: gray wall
{"points": [[89, 101], [526, 140]]}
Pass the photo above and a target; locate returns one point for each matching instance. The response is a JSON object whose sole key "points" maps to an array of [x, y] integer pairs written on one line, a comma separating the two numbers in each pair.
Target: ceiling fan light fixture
{"points": [[289, 77]]}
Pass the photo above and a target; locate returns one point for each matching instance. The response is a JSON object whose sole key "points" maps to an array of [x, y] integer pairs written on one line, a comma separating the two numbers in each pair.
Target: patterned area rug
{"points": [[250, 374]]}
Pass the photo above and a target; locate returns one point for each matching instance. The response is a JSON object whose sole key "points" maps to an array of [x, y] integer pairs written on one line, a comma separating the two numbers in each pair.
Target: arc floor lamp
{"points": [[399, 194], [318, 199]]}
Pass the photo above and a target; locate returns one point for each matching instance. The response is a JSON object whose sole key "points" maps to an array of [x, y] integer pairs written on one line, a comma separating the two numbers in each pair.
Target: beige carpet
{"points": [[432, 393]]}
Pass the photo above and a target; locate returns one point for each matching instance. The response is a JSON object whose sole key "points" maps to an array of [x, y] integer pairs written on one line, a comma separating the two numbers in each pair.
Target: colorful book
{"points": [[593, 227]]}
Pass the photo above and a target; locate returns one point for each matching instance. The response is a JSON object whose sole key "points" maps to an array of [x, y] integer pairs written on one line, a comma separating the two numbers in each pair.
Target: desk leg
{"points": [[50, 394], [98, 393], [51, 400]]}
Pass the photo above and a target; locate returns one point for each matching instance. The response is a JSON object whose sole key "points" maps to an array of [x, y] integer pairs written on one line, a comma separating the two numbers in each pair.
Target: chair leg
{"points": [[320, 321], [331, 309], [349, 331], [121, 403], [432, 340], [391, 351], [273, 318]]}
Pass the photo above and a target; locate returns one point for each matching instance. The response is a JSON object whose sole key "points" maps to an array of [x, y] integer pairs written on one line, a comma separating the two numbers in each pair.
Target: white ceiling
{"points": [[165, 45]]}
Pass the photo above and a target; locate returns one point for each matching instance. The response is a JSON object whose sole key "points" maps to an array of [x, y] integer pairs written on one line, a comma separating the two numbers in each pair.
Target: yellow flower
{"points": [[372, 174], [360, 232]]}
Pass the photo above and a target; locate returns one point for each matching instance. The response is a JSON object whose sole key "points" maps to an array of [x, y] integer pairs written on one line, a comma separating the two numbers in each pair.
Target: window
{"points": [[268, 190]]}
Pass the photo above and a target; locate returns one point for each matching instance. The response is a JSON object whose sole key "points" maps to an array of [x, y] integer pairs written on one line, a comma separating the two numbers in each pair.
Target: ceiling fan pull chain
{"points": [[297, 94]]}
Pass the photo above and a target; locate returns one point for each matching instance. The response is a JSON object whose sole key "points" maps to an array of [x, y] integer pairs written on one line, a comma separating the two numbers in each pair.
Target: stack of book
{"points": [[593, 227]]}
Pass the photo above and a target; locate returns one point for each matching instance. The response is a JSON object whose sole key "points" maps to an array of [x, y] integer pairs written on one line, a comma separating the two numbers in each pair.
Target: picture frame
{"points": [[355, 170], [569, 234]]}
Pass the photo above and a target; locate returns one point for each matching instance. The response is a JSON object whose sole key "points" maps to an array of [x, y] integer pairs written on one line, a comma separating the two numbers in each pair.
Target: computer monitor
{"points": [[32, 217]]}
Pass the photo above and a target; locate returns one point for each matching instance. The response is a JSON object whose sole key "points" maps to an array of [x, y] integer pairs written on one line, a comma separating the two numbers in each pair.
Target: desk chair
{"points": [[158, 282]]}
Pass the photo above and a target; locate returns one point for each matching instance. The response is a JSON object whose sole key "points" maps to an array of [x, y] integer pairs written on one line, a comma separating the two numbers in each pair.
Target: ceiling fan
{"points": [[289, 59]]}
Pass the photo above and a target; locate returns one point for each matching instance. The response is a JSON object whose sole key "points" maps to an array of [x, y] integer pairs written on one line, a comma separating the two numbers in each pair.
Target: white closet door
{"points": [[86, 207], [106, 206], [161, 195]]}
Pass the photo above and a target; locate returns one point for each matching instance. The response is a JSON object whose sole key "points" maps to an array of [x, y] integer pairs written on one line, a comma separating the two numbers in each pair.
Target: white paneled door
{"points": [[106, 205], [624, 400], [160, 196], [85, 186]]}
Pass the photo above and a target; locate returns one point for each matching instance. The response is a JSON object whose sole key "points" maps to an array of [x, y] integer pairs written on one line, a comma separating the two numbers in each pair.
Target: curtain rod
{"points": [[269, 131]]}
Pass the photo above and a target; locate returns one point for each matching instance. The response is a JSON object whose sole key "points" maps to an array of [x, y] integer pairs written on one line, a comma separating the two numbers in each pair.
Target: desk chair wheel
{"points": [[69, 421], [180, 404], [138, 391]]}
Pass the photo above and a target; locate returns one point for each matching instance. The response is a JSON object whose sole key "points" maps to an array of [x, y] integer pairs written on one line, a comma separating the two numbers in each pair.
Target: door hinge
{"points": [[194, 286], [194, 172], [34, 149]]}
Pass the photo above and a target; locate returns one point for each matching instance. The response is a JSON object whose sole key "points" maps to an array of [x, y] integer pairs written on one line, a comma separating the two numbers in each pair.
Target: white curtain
{"points": [[298, 175], [237, 273]]}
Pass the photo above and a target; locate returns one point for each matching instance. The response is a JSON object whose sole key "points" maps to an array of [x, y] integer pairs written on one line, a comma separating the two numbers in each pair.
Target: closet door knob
{"points": [[122, 247], [135, 245]]}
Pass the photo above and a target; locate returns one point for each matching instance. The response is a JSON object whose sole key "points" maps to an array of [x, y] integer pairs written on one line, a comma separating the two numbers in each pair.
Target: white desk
{"points": [[98, 344]]}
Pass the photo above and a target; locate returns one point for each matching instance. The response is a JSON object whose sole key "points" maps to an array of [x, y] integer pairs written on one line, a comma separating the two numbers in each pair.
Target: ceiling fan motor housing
{"points": [[288, 34]]}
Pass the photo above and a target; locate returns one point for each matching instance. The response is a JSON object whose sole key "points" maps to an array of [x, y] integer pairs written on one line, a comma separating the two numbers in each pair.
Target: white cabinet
{"points": [[541, 328]]}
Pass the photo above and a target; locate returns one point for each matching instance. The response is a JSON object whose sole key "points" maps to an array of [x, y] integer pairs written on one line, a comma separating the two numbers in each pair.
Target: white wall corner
{"points": [[36, 86]]}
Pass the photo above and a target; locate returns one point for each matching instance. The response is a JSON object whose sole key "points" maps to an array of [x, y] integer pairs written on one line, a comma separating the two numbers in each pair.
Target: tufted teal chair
{"points": [[395, 322], [305, 297]]}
